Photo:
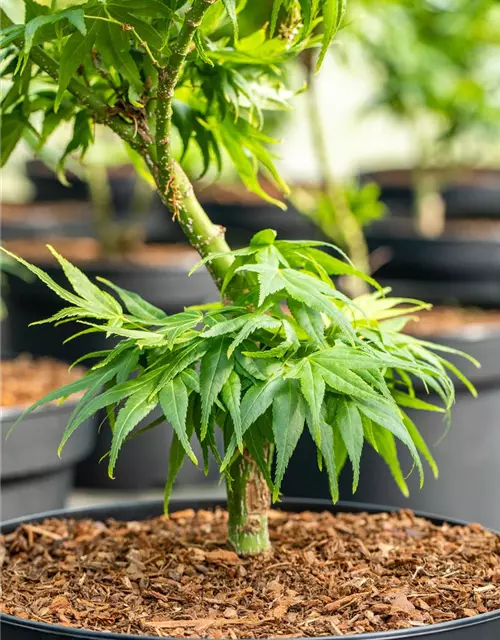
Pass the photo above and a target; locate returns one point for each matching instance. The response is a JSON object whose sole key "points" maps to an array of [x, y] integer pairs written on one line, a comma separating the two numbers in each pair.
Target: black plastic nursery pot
{"points": [[445, 270], [467, 456], [243, 215], [68, 218], [33, 477], [482, 627], [460, 266], [49, 191], [468, 194]]}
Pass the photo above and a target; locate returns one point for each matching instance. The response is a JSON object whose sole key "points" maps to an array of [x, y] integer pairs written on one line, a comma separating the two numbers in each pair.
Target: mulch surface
{"points": [[327, 575], [24, 379]]}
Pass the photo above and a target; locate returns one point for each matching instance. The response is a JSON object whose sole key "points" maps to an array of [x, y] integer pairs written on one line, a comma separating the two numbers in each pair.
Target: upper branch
{"points": [[168, 77], [101, 110]]}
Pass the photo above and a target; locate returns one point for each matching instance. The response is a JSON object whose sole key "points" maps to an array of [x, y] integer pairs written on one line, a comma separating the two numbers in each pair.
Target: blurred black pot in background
{"points": [[461, 266]]}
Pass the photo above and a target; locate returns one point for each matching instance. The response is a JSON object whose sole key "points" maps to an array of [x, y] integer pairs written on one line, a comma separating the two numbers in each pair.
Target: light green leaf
{"points": [[405, 400], [101, 301], [313, 389], [391, 420], [258, 399], [215, 370], [12, 127], [176, 458], [230, 6], [385, 445], [137, 407], [420, 444], [74, 16], [231, 395], [309, 319], [258, 321], [288, 423], [348, 421], [136, 305], [174, 403], [333, 13], [74, 52]]}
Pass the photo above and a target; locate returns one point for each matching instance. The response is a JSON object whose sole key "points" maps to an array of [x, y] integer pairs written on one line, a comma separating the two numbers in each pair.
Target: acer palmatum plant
{"points": [[283, 350]]}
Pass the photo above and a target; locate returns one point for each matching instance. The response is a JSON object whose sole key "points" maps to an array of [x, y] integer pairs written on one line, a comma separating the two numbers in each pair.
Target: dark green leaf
{"points": [[288, 423]]}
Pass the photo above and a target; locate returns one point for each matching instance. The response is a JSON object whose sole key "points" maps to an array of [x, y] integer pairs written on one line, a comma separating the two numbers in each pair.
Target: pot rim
{"points": [[295, 503], [9, 413]]}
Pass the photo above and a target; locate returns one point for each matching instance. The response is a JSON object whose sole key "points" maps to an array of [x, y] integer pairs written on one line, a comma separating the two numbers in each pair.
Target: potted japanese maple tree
{"points": [[256, 372]]}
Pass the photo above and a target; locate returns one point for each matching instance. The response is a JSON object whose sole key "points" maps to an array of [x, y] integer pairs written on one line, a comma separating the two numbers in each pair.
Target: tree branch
{"points": [[100, 109], [168, 77]]}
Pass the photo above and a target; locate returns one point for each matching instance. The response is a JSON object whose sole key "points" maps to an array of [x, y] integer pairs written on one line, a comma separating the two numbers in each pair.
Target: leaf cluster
{"points": [[431, 61], [289, 353], [116, 48]]}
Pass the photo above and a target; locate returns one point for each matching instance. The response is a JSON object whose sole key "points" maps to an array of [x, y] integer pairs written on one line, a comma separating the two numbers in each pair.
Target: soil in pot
{"points": [[24, 379], [328, 574], [33, 477], [450, 321]]}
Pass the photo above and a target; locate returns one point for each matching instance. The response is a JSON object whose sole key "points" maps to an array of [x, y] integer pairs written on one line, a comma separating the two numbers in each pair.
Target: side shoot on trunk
{"points": [[283, 350]]}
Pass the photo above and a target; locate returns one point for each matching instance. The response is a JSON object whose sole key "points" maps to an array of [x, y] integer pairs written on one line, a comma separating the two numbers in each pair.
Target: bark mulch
{"points": [[327, 575]]}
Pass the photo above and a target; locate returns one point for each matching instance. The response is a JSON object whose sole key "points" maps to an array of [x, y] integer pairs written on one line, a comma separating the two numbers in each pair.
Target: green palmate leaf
{"points": [[345, 381], [288, 423], [101, 301], [215, 370], [333, 13], [348, 421], [114, 46], [258, 445], [230, 6], [76, 49], [258, 399], [309, 319], [259, 321], [73, 16], [384, 444], [392, 421], [411, 402], [334, 266], [112, 396], [136, 305], [191, 380], [174, 403], [128, 363], [231, 395], [12, 127], [46, 279], [312, 292], [176, 458], [229, 326], [420, 444], [146, 8], [137, 407], [313, 388], [325, 443]]}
